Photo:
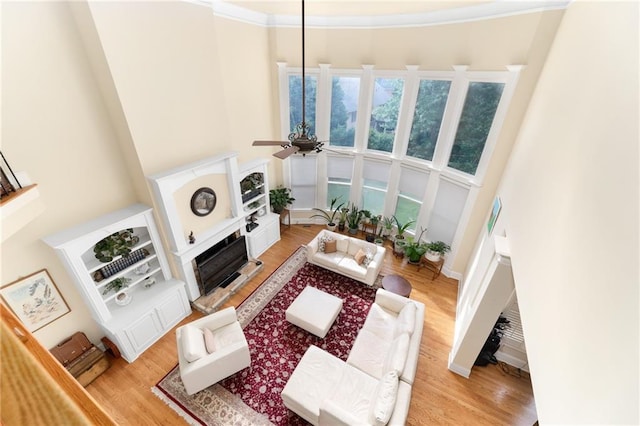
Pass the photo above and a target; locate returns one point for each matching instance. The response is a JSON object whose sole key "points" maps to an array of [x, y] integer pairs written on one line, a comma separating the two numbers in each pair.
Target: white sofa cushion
{"points": [[397, 354], [193, 345], [384, 399], [209, 342], [406, 321], [349, 266]]}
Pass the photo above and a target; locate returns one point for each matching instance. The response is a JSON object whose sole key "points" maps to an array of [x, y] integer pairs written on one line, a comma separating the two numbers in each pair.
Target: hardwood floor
{"points": [[490, 397]]}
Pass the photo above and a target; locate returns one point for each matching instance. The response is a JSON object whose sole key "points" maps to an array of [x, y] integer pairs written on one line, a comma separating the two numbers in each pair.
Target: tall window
{"points": [[432, 98], [374, 188], [387, 94], [303, 181], [447, 209], [295, 101], [344, 110], [339, 171], [477, 117], [410, 194]]}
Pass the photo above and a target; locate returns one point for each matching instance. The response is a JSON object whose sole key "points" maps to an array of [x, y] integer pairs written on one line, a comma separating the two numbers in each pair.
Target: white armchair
{"points": [[211, 349]]}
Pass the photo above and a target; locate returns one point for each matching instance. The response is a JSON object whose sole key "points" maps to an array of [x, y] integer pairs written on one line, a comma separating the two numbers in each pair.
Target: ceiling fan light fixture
{"points": [[300, 140]]}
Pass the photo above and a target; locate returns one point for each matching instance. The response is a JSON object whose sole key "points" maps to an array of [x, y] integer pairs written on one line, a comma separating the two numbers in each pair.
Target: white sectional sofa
{"points": [[373, 387], [343, 260]]}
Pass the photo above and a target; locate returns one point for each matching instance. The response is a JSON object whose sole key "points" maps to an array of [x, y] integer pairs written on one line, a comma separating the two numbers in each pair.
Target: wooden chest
{"points": [[81, 358]]}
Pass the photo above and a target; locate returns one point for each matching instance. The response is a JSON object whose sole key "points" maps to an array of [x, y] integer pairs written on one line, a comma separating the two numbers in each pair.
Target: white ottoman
{"points": [[314, 311]]}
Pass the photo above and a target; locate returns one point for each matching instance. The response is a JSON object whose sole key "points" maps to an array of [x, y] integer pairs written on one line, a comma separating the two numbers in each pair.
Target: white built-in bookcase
{"points": [[155, 300]]}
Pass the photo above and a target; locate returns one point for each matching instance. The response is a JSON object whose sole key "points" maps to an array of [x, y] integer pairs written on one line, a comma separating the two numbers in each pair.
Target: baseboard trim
{"points": [[461, 371]]}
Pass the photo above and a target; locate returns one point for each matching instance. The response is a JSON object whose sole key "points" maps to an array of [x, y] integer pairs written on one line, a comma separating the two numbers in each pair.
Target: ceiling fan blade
{"points": [[269, 143], [286, 152]]}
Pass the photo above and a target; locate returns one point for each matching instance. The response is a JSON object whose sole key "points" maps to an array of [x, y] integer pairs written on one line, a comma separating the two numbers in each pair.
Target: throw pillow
{"points": [[209, 341], [384, 400], [359, 257], [322, 241], [406, 321], [397, 354], [367, 258], [330, 246], [193, 346]]}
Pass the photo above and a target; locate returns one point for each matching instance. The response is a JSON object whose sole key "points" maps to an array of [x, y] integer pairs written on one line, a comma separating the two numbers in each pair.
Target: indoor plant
{"points": [[354, 216], [329, 216], [436, 250], [371, 236], [116, 244], [387, 226], [342, 219], [280, 198], [414, 248], [116, 285], [399, 242]]}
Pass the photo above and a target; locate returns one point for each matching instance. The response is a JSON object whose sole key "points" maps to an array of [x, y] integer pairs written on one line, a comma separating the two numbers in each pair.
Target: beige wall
{"points": [[199, 224], [570, 210], [56, 128]]}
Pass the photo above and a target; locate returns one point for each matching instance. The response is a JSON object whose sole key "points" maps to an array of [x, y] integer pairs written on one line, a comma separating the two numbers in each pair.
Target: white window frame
{"points": [[438, 168]]}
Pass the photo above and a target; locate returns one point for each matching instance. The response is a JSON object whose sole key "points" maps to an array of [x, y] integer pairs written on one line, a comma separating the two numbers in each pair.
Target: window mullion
{"points": [[365, 101], [323, 103], [407, 109], [283, 89], [451, 117]]}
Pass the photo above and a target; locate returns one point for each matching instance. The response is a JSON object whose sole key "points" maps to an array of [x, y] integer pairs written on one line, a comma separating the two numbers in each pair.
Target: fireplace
{"points": [[218, 266]]}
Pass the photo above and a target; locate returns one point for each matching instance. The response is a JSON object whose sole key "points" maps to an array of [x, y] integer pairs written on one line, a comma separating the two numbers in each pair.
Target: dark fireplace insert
{"points": [[218, 266]]}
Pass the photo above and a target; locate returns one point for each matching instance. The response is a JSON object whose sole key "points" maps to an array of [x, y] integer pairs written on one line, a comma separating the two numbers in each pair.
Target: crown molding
{"points": [[483, 11]]}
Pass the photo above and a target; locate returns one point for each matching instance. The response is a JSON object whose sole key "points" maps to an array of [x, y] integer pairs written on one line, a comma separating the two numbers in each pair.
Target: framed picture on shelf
{"points": [[35, 300], [495, 211]]}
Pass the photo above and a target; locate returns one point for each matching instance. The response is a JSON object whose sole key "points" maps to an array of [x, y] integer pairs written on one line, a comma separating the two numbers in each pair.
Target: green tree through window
{"points": [[432, 99], [387, 94], [344, 107], [295, 101], [477, 117]]}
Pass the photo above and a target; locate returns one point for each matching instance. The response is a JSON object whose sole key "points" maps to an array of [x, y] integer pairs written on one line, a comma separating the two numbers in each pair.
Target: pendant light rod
{"points": [[303, 88]]}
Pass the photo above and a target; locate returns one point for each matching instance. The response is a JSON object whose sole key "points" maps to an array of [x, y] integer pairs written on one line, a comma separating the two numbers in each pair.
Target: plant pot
{"points": [[277, 209], [398, 245], [369, 237], [379, 241], [331, 226], [433, 256], [353, 231], [341, 227]]}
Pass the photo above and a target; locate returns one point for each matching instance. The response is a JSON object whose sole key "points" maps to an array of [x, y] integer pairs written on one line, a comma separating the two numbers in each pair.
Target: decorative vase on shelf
{"points": [[123, 298]]}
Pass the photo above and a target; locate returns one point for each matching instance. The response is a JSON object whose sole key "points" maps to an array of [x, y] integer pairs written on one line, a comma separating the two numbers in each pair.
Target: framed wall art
{"points": [[35, 300], [495, 211]]}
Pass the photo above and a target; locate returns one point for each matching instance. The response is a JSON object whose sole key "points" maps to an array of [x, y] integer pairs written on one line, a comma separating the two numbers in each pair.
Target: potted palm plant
{"points": [[399, 242], [387, 227], [342, 218], [280, 198], [436, 250], [329, 216], [354, 216]]}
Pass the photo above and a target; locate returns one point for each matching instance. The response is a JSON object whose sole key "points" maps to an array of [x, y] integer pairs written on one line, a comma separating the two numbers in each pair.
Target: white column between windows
{"points": [[365, 101]]}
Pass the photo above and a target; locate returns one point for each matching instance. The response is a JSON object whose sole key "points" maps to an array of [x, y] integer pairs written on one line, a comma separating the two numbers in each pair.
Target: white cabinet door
{"points": [[173, 309], [143, 332]]}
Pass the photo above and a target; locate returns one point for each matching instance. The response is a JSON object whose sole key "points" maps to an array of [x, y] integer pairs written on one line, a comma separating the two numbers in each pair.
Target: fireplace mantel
{"points": [[166, 184]]}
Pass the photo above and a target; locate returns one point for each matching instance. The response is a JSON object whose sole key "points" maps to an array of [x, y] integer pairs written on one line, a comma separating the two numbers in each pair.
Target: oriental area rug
{"points": [[252, 396]]}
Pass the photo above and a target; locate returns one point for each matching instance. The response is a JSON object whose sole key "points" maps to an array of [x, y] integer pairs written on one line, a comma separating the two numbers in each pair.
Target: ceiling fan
{"points": [[300, 140]]}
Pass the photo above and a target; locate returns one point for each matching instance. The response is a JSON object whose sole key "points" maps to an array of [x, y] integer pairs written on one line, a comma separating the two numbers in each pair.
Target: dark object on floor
{"points": [[81, 358], [490, 347]]}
